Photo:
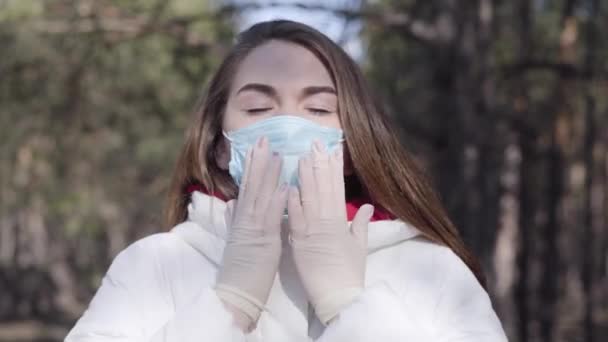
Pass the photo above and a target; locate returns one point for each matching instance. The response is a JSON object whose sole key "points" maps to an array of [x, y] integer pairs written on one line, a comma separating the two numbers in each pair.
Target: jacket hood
{"points": [[206, 229]]}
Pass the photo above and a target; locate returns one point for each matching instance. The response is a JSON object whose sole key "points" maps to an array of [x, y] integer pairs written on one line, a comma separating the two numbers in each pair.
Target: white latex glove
{"points": [[329, 255], [253, 248]]}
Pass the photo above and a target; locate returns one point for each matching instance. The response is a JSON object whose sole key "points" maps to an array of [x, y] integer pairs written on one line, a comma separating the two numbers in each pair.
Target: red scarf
{"points": [[353, 203]]}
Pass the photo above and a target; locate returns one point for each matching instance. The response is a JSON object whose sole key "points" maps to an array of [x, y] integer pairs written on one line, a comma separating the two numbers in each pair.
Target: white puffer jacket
{"points": [[160, 289]]}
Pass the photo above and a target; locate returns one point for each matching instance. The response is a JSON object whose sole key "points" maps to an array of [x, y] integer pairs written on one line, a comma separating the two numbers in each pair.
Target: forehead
{"points": [[282, 65]]}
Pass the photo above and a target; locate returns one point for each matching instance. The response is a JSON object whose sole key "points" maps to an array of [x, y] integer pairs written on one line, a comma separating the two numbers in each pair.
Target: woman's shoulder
{"points": [[438, 256], [428, 274], [425, 251], [153, 255], [151, 245], [433, 276], [434, 263]]}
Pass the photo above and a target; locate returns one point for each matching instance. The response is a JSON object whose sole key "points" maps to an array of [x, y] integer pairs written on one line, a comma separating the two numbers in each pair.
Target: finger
{"points": [[337, 179], [307, 189], [269, 184], [245, 176], [296, 217], [360, 223], [276, 209], [323, 181], [337, 168], [259, 162]]}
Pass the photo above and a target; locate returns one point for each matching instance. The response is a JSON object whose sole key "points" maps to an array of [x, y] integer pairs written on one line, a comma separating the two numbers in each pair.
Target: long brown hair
{"points": [[381, 164]]}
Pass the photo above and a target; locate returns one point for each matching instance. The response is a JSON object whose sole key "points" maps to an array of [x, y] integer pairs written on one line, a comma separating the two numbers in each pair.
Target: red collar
{"points": [[353, 203]]}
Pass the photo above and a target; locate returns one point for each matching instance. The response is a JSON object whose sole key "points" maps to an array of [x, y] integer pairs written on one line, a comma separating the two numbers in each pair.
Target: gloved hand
{"points": [[253, 247], [328, 254]]}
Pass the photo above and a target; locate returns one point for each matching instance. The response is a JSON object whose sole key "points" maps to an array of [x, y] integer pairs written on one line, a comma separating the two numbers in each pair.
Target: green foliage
{"points": [[94, 100]]}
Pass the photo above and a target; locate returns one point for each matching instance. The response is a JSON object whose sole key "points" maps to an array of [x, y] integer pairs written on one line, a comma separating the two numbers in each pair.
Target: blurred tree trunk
{"points": [[468, 160], [591, 206], [528, 174]]}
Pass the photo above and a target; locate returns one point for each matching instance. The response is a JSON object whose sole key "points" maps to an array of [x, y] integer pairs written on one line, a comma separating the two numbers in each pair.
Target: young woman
{"points": [[295, 215]]}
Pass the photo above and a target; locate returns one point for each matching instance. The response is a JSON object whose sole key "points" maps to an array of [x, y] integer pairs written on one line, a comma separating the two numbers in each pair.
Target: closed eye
{"points": [[319, 111], [258, 110]]}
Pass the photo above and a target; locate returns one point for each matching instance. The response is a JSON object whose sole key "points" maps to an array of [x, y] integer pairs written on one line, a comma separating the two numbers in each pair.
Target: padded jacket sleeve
{"points": [[133, 304], [460, 310]]}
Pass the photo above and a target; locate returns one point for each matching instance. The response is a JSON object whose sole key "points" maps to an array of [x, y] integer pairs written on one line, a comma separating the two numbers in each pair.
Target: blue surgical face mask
{"points": [[290, 136]]}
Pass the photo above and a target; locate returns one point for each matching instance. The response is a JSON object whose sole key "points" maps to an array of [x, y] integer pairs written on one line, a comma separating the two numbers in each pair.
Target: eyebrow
{"points": [[271, 92], [312, 90]]}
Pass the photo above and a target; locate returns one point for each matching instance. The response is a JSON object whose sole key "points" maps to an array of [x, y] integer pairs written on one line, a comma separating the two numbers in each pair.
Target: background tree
{"points": [[503, 102], [95, 97]]}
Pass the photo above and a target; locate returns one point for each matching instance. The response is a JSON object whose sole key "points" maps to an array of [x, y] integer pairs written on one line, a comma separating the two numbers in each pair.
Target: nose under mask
{"points": [[288, 135]]}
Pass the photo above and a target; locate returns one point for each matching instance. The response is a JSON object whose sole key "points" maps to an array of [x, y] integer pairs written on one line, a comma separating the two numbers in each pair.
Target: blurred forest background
{"points": [[503, 102]]}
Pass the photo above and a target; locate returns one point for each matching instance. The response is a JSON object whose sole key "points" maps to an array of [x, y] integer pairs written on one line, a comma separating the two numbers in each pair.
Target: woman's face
{"points": [[279, 78]]}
